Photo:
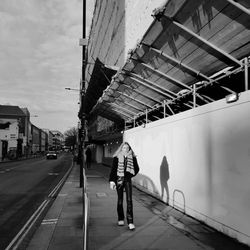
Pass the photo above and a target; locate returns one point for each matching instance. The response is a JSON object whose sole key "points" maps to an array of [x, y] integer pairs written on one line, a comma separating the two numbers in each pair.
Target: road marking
{"points": [[101, 194], [14, 244], [53, 173], [62, 194], [18, 239], [58, 186], [49, 221]]}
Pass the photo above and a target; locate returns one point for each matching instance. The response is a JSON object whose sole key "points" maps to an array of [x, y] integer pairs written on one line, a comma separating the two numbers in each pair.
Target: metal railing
{"points": [[85, 211]]}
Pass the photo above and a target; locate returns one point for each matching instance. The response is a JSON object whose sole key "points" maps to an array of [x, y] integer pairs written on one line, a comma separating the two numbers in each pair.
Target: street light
{"points": [[83, 43], [79, 90]]}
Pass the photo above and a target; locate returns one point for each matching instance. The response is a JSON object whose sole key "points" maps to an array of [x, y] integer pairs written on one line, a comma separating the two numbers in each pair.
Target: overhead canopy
{"points": [[174, 66]]}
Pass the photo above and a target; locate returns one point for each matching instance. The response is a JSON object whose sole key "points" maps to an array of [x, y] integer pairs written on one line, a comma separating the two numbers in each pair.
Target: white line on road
{"points": [[53, 192], [25, 229], [15, 243]]}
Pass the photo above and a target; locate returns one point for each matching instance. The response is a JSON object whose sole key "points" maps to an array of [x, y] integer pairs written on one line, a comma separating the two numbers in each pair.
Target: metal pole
{"points": [[246, 73], [194, 95], [82, 136], [164, 108]]}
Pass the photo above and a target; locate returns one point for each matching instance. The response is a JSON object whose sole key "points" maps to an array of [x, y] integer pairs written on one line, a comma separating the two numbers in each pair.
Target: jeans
{"points": [[120, 190]]}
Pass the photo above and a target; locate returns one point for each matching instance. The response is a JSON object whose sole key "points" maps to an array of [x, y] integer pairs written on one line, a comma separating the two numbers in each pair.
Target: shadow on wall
{"points": [[146, 184], [164, 177]]}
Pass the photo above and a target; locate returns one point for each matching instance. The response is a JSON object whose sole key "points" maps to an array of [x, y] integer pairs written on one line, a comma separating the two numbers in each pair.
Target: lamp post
{"points": [[82, 133]]}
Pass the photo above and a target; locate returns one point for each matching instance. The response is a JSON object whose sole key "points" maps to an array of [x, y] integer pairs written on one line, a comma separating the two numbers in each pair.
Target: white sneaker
{"points": [[131, 226], [121, 223]]}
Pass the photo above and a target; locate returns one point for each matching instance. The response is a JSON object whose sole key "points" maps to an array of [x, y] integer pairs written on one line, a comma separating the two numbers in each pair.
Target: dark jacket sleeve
{"points": [[136, 166], [113, 173]]}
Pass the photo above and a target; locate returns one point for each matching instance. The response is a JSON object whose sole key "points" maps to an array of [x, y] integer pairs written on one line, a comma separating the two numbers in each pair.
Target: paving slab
{"points": [[62, 227], [158, 226]]}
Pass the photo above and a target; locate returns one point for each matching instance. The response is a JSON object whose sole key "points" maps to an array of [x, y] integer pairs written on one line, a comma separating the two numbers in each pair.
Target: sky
{"points": [[40, 57]]}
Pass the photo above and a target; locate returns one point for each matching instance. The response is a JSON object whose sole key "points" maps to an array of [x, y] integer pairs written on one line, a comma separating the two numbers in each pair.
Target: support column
{"points": [[194, 96], [246, 73], [82, 94]]}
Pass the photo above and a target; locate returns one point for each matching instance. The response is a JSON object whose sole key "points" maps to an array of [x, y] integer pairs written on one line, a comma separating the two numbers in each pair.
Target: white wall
{"points": [[10, 134], [203, 156], [138, 19]]}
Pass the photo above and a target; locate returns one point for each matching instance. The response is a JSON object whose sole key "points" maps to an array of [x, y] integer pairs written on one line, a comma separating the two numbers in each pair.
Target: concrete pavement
{"points": [[158, 226], [62, 226]]}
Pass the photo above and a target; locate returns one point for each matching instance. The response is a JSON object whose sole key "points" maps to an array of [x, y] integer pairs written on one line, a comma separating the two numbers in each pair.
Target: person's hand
{"points": [[112, 185]]}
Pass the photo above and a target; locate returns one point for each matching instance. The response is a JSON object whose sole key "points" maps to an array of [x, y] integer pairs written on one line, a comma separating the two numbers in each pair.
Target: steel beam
{"points": [[151, 87], [164, 108], [193, 71], [239, 6], [246, 73], [173, 113], [194, 96], [140, 93], [171, 79], [201, 97], [147, 83], [126, 110], [129, 104], [209, 44], [158, 118], [146, 105], [208, 98], [119, 111]]}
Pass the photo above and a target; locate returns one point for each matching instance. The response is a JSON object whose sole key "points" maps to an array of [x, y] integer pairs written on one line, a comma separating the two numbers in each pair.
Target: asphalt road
{"points": [[24, 185]]}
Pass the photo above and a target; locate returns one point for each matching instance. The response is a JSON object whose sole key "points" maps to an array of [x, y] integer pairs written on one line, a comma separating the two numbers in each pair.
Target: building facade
{"points": [[9, 131], [174, 90], [13, 132], [57, 140]]}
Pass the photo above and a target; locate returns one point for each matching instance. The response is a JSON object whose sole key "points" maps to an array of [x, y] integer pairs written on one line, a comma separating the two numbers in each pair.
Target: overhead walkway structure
{"points": [[193, 53]]}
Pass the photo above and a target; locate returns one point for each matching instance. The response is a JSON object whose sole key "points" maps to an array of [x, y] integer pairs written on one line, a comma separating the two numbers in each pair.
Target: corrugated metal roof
{"points": [[187, 43]]}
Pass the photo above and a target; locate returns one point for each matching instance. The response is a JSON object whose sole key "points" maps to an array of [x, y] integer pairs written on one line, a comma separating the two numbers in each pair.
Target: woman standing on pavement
{"points": [[124, 167]]}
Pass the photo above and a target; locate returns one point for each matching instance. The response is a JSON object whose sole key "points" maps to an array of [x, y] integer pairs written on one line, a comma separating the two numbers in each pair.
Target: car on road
{"points": [[51, 155]]}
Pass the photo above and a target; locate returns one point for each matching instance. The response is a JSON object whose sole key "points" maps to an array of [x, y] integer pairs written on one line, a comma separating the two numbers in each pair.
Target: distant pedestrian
{"points": [[124, 167], [88, 157]]}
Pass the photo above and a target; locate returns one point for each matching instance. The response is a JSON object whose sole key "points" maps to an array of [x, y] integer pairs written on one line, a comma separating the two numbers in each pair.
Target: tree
{"points": [[71, 137]]}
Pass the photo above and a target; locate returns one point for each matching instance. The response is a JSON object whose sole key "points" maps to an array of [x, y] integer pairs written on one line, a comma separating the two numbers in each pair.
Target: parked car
{"points": [[51, 155]]}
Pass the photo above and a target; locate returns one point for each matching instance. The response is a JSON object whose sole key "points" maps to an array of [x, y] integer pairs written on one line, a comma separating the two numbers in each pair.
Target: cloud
{"points": [[40, 56]]}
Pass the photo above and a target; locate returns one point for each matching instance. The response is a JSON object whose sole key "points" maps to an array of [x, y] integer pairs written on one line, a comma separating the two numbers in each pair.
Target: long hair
{"points": [[119, 150]]}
